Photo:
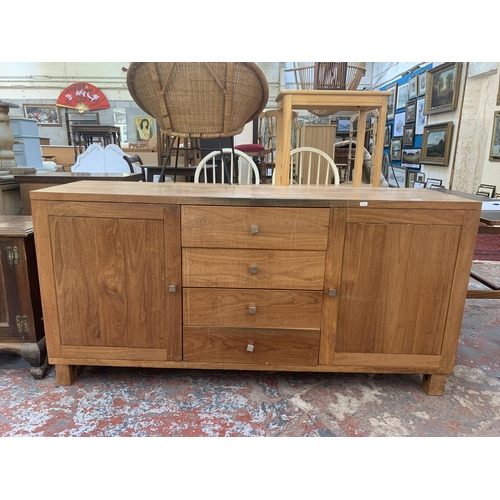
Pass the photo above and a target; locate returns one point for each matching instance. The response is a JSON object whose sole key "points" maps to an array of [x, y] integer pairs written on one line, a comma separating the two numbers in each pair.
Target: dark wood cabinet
{"points": [[21, 321]]}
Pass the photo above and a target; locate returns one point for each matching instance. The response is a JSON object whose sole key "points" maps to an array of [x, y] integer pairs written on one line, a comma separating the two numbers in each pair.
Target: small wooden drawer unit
{"points": [[292, 278]]}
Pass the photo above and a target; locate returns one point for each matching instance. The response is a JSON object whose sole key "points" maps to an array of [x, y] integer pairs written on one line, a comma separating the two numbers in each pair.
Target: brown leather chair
{"points": [[131, 160]]}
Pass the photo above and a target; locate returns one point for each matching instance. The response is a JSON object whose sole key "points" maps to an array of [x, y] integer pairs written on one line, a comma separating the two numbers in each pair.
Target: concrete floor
{"points": [[108, 401]]}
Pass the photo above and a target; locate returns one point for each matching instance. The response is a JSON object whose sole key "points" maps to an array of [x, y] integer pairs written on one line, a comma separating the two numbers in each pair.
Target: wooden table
{"points": [[341, 100], [43, 179]]}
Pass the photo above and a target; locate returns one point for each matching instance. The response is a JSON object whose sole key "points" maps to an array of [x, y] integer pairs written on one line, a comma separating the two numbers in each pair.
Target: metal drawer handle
{"points": [[332, 292], [253, 269], [172, 288], [254, 229], [250, 348], [252, 309]]}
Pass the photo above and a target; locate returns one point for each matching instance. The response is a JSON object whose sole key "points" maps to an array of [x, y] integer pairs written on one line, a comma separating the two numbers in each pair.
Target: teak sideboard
{"points": [[290, 278]]}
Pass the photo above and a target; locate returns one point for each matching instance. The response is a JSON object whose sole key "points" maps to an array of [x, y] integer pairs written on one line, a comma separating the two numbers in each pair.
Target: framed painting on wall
{"points": [[411, 158], [144, 128], [443, 82], [391, 102], [422, 81], [387, 136], [421, 117], [395, 150], [436, 144], [412, 87], [408, 135], [399, 125], [402, 96], [495, 138], [46, 115], [411, 111], [343, 125]]}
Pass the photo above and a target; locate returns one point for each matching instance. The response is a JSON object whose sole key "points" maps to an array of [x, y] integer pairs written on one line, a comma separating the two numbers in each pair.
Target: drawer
{"points": [[255, 227], [251, 346], [280, 269], [252, 308]]}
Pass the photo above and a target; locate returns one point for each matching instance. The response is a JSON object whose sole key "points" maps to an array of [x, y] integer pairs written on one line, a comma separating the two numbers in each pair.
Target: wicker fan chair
{"points": [[327, 76], [198, 99]]}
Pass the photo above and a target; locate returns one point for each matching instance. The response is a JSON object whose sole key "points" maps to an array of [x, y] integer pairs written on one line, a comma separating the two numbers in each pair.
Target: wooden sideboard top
{"points": [[16, 225], [252, 195], [46, 177]]}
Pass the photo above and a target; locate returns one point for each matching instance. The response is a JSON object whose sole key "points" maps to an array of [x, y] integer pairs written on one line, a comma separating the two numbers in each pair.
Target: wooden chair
{"points": [[227, 170], [135, 159], [305, 170]]}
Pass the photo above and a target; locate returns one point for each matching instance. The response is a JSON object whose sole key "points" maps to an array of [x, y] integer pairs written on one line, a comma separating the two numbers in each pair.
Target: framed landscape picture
{"points": [[408, 135], [422, 81], [343, 125], [495, 138], [391, 104], [402, 96], [395, 150], [411, 158], [46, 115], [443, 82], [436, 144]]}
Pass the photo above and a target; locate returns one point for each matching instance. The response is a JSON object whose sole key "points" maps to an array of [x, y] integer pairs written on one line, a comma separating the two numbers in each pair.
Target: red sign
{"points": [[83, 97]]}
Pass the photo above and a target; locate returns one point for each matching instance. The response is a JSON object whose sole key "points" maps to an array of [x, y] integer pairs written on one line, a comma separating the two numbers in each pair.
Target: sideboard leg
{"points": [[66, 374], [433, 385]]}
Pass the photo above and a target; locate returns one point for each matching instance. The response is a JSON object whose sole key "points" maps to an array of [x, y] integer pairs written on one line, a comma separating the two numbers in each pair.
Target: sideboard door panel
{"points": [[395, 288], [109, 278], [9, 300]]}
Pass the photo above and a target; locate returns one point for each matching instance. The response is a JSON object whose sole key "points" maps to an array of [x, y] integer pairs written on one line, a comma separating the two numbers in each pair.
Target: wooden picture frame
{"points": [[411, 178], [487, 190], [387, 136], [408, 135], [420, 177], [397, 176], [391, 101], [436, 144], [343, 125], [419, 184], [402, 96], [46, 115], [422, 83], [413, 87], [395, 150], [495, 138], [444, 84], [411, 158], [411, 111], [433, 182]]}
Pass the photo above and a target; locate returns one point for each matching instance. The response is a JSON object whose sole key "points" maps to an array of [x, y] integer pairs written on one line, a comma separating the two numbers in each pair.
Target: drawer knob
{"points": [[172, 288], [332, 292], [252, 309], [253, 269], [250, 348], [254, 229]]}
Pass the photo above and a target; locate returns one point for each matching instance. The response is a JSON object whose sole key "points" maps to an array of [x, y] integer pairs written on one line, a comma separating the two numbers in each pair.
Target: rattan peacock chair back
{"points": [[199, 99]]}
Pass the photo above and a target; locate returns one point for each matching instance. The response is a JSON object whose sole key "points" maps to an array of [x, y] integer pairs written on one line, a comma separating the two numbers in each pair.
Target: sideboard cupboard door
{"points": [[395, 291], [111, 274], [9, 300]]}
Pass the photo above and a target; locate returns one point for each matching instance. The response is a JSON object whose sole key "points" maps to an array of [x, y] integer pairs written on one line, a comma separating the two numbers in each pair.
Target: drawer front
{"points": [[251, 346], [252, 308], [255, 227], [280, 269]]}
